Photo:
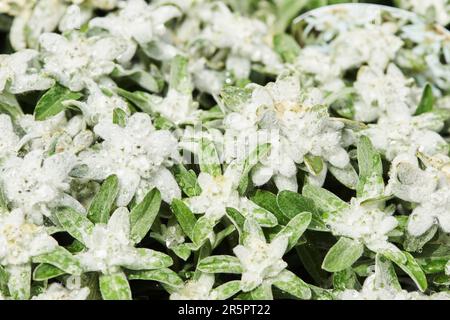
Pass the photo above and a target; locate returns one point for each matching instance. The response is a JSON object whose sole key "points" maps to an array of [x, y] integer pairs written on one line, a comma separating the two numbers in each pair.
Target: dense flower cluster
{"points": [[178, 141]]}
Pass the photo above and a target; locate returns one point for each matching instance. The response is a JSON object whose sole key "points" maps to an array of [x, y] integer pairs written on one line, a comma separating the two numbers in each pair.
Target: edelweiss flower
{"points": [[35, 183], [137, 22], [21, 240], [199, 289], [429, 188], [374, 45], [315, 61], [294, 122], [365, 222], [260, 261], [244, 37], [384, 94], [220, 192], [438, 10], [55, 134], [109, 247], [100, 104], [408, 135], [75, 59], [138, 154], [17, 75]]}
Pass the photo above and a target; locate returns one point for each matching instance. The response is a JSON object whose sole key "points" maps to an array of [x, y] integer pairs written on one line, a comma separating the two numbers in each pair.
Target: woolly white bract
{"points": [[224, 149]]}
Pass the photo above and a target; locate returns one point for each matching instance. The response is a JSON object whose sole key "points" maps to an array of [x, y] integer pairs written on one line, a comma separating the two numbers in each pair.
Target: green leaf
{"points": [[119, 117], [295, 228], [415, 244], [268, 201], [314, 164], [427, 101], [385, 276], [142, 100], [187, 180], [52, 102], [185, 217], [183, 251], [249, 163], [164, 275], [180, 79], [236, 218], [3, 201], [143, 215], [19, 281], [103, 202], [234, 97], [346, 279], [46, 271], [77, 225], [9, 105], [412, 269], [143, 78], [3, 280], [371, 182], [324, 199], [222, 235], [342, 255], [62, 259], [290, 283], [220, 264], [292, 204], [115, 286], [203, 228], [209, 159], [226, 290], [286, 46], [287, 10], [311, 259], [347, 176], [148, 259], [262, 292]]}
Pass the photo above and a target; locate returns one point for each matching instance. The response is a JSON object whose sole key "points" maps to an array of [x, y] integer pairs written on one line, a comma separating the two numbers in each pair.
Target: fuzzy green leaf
{"points": [[164, 275], [119, 117], [286, 46], [209, 159], [187, 180], [412, 269], [427, 101], [290, 283], [46, 271], [185, 217], [342, 255], [115, 286], [203, 228], [77, 225], [324, 199], [220, 264], [143, 215], [226, 290], [52, 102], [103, 202], [62, 259], [292, 204], [295, 228]]}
